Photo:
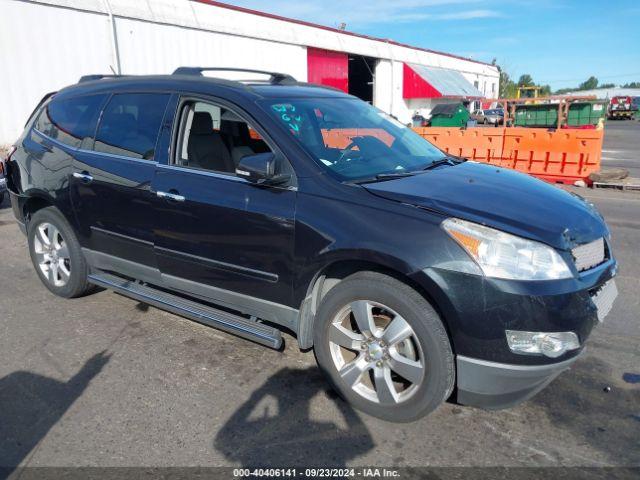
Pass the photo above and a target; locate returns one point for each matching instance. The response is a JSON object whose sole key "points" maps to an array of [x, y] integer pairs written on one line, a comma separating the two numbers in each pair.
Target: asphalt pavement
{"points": [[621, 147], [107, 381]]}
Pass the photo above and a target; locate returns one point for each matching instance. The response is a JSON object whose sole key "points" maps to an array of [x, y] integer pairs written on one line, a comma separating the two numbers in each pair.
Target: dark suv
{"points": [[258, 206]]}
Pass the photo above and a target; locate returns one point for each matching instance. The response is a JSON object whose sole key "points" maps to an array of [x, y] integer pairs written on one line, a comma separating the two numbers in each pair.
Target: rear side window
{"points": [[130, 125], [71, 121]]}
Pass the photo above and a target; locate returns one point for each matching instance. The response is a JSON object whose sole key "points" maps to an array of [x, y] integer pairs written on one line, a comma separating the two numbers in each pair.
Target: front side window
{"points": [[71, 121], [215, 138], [130, 125], [352, 139]]}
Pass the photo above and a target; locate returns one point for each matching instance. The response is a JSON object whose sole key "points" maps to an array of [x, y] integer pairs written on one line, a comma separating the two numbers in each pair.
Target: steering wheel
{"points": [[348, 150]]}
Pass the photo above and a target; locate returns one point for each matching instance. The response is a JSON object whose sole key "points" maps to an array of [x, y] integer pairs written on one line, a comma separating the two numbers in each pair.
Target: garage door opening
{"points": [[361, 70]]}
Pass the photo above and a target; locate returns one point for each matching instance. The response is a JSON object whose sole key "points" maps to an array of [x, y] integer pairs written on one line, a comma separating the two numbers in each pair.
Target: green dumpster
{"points": [[586, 113], [537, 115], [449, 115]]}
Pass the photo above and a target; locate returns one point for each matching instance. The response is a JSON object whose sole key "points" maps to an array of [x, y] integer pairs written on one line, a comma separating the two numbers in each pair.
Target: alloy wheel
{"points": [[52, 254], [376, 352]]}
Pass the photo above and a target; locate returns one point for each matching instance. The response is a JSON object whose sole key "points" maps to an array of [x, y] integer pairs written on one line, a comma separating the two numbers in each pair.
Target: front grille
{"points": [[589, 255]]}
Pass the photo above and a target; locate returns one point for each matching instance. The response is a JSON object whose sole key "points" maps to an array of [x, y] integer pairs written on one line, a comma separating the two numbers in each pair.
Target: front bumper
{"points": [[495, 385], [478, 310]]}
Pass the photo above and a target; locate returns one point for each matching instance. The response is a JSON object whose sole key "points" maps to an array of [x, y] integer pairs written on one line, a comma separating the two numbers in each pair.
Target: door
{"points": [[64, 126], [217, 235], [111, 184]]}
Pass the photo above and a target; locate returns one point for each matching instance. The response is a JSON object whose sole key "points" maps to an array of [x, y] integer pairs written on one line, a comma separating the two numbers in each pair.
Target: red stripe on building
{"points": [[326, 67]]}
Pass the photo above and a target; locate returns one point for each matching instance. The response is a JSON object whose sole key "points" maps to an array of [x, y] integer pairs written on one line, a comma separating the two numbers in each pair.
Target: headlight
{"points": [[502, 255]]}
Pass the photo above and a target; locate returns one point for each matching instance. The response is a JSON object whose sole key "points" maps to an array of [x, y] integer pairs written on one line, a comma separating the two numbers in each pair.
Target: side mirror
{"points": [[260, 169]]}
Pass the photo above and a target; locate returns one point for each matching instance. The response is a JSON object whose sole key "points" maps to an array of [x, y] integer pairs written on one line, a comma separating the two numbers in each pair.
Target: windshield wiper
{"points": [[381, 177], [385, 176], [442, 161]]}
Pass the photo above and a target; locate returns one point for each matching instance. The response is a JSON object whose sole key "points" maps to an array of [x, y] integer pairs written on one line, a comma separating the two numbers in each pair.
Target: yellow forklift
{"points": [[523, 92]]}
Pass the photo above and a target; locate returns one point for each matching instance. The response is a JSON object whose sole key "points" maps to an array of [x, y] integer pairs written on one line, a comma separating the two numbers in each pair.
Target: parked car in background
{"points": [[477, 115], [3, 181], [3, 188], [621, 107], [259, 206], [419, 121], [493, 116]]}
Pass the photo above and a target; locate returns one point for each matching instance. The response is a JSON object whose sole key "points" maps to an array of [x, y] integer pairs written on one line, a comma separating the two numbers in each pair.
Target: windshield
{"points": [[352, 139]]}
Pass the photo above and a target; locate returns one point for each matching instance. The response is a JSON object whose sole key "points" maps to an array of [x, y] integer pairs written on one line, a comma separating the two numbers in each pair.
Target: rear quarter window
{"points": [[71, 121], [130, 125]]}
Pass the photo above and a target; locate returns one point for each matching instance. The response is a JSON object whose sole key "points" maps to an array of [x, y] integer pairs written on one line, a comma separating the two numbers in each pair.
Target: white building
{"points": [[608, 93], [48, 44]]}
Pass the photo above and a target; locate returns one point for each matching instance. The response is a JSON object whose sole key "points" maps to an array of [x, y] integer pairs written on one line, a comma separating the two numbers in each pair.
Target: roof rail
{"points": [[98, 76], [275, 78]]}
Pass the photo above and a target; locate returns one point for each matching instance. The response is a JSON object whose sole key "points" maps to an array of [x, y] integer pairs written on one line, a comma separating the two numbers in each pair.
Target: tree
{"points": [[545, 90], [525, 81], [590, 84], [506, 87], [632, 85]]}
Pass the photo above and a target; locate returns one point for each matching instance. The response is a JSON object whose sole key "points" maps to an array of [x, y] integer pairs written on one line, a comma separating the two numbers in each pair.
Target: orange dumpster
{"points": [[558, 156]]}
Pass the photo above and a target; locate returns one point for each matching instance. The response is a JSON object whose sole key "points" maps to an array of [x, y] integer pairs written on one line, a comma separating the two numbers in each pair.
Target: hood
{"points": [[504, 199]]}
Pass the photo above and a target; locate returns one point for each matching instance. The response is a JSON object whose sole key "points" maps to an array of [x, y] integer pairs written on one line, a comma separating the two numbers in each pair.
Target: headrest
{"points": [[202, 123], [122, 121]]}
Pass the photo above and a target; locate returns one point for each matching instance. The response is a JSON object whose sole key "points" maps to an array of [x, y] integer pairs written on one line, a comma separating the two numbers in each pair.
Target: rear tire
{"points": [[56, 254], [395, 380]]}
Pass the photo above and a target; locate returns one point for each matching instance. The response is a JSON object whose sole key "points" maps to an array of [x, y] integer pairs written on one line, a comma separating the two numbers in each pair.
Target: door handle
{"points": [[83, 176], [170, 196]]}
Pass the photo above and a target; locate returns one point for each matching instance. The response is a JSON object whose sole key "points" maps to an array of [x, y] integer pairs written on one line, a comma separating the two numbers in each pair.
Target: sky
{"points": [[557, 42]]}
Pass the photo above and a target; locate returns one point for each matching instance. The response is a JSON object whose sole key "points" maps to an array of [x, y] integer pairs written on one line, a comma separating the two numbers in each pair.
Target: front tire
{"points": [[384, 348], [56, 254]]}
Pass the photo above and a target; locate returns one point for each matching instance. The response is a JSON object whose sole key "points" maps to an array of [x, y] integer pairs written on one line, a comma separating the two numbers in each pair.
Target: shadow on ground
{"points": [[606, 419], [275, 428], [30, 404]]}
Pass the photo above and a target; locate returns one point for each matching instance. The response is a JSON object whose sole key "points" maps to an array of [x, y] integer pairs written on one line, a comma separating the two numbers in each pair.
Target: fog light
{"points": [[550, 344]]}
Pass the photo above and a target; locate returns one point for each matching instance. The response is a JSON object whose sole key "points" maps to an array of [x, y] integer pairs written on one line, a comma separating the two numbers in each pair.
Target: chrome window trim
{"points": [[84, 150], [157, 164], [201, 171], [120, 157], [221, 176]]}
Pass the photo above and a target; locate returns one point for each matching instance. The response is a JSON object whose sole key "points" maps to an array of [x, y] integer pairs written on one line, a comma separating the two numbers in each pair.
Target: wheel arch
{"points": [[34, 201], [333, 273]]}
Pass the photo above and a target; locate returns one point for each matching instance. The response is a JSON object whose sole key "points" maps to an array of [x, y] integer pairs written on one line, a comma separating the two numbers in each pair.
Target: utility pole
{"points": [[115, 52]]}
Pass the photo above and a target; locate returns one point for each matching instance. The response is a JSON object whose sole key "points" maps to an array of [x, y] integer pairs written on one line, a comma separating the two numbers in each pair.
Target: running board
{"points": [[212, 317]]}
